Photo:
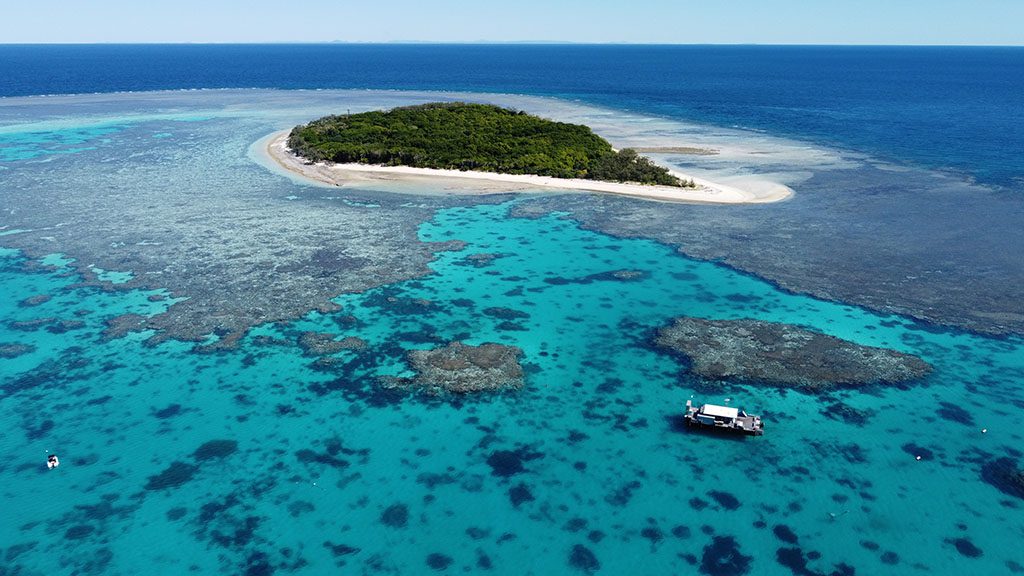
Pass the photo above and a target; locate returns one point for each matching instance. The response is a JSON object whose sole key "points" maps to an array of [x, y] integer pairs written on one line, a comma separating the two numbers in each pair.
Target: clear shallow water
{"points": [[321, 456], [324, 456]]}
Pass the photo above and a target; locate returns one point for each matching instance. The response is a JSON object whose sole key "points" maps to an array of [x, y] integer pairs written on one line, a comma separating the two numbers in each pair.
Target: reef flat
{"points": [[462, 369], [783, 355], [237, 250], [195, 217], [837, 239]]}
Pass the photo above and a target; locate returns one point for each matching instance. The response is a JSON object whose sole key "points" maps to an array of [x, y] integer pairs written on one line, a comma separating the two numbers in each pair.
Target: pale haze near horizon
{"points": [[977, 22]]}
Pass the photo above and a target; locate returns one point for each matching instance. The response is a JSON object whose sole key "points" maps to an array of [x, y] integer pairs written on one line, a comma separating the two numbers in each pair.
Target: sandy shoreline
{"points": [[706, 192]]}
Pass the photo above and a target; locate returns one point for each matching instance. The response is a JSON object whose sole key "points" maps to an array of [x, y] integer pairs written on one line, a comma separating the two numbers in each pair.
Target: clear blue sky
{"points": [[637, 21]]}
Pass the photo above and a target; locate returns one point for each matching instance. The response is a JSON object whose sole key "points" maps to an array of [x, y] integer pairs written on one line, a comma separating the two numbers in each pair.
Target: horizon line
{"points": [[500, 43]]}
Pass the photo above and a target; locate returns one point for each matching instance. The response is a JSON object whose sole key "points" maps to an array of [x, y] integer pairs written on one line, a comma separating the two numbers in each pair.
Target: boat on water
{"points": [[724, 418]]}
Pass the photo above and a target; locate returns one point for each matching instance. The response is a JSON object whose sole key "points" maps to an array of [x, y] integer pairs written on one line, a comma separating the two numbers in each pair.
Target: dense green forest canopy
{"points": [[473, 137]]}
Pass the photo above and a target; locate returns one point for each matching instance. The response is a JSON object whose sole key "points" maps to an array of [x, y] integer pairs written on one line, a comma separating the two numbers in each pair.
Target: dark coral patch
{"points": [[967, 548], [173, 476], [583, 559], [236, 534], [339, 550], [1005, 475], [725, 499], [438, 561], [14, 349], [681, 532], [64, 326], [623, 494], [300, 507], [954, 413], [505, 313], [19, 549], [793, 558], [37, 432], [307, 456], [846, 413], [919, 452], [396, 516], [889, 557], [176, 513], [654, 534], [575, 525], [519, 494], [78, 532], [722, 557], [505, 463], [34, 300], [257, 564], [783, 532], [168, 412], [215, 449]]}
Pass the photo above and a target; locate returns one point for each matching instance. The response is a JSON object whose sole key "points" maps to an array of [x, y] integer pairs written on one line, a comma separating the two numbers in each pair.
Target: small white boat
{"points": [[52, 462]]}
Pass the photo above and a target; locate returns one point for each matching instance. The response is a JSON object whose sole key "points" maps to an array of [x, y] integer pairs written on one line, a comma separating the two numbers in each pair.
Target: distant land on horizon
{"points": [[510, 43]]}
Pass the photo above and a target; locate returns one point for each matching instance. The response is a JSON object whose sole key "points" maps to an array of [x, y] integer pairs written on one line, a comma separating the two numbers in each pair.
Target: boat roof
{"points": [[720, 411]]}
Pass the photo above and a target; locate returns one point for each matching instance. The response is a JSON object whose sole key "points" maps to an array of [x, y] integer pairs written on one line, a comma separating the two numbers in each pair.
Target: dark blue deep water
{"points": [[957, 108]]}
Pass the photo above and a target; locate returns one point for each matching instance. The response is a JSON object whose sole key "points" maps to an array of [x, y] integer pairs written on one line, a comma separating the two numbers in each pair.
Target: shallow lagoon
{"points": [[256, 460]]}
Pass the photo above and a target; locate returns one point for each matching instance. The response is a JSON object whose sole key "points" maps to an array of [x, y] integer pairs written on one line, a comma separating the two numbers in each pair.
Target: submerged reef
{"points": [[14, 349], [1005, 475], [784, 355], [241, 253], [858, 236], [321, 344], [461, 369]]}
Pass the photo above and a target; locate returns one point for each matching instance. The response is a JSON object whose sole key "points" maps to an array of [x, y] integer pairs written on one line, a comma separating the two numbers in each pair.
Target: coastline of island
{"points": [[486, 183]]}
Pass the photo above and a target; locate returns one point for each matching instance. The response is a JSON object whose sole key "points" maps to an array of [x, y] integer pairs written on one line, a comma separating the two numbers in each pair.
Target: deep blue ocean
{"points": [[269, 436], [957, 108]]}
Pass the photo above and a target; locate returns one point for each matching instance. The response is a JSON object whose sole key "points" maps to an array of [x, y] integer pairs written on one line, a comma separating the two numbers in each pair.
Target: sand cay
{"points": [[472, 182]]}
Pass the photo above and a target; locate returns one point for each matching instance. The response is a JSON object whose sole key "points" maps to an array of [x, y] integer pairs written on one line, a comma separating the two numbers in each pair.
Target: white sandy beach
{"points": [[706, 192]]}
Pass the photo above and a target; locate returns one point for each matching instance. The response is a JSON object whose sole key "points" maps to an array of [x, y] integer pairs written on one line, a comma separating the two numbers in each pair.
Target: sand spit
{"points": [[482, 183]]}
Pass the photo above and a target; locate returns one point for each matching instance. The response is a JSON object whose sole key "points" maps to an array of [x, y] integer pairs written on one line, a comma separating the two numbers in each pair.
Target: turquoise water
{"points": [[321, 456], [305, 467], [28, 145]]}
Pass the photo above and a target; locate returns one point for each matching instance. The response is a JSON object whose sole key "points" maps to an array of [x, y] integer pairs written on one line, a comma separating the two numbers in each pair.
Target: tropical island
{"points": [[498, 149], [480, 137]]}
